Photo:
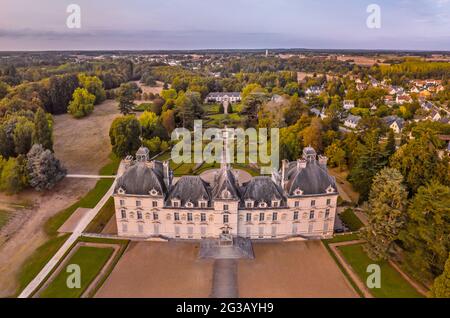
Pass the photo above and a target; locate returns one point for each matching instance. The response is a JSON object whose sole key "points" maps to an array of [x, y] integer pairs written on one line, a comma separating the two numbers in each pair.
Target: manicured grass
{"points": [[143, 107], [340, 239], [40, 257], [351, 220], [4, 218], [393, 285], [91, 260], [104, 215]]}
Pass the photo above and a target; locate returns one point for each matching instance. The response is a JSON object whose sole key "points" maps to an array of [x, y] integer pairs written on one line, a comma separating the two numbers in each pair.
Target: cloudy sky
{"points": [[197, 24]]}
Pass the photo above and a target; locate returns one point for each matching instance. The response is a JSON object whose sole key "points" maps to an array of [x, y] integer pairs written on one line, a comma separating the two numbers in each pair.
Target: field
{"points": [[393, 285], [297, 269], [91, 260], [149, 269]]}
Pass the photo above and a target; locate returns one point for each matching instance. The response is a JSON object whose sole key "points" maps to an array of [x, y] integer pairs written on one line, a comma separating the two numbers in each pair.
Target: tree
{"points": [[23, 135], [419, 162], [386, 213], [4, 88], [336, 155], [44, 170], [188, 106], [312, 135], [125, 97], [94, 86], [82, 103], [369, 160], [441, 285], [390, 145], [42, 130], [168, 120], [425, 238], [124, 134], [13, 178], [59, 93]]}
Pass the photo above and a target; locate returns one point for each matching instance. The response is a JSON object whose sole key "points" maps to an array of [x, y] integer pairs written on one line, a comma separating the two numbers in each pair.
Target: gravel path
{"points": [[225, 279]]}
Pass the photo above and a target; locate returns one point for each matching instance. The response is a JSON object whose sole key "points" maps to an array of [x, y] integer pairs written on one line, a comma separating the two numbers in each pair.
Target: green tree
{"points": [[82, 103], [425, 238], [168, 120], [336, 155], [94, 86], [13, 178], [42, 130], [124, 134], [125, 98], [4, 88], [419, 162], [390, 145], [312, 135], [23, 136], [386, 213], [370, 159], [188, 106], [441, 285]]}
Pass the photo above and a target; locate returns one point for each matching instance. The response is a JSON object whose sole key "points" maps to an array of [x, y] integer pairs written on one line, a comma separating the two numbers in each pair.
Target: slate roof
{"points": [[226, 181], [311, 180], [190, 189], [389, 120], [262, 189], [140, 179], [353, 119]]}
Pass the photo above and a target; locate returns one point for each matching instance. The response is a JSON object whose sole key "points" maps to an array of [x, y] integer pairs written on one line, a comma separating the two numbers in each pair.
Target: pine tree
{"points": [[390, 146], [387, 205], [441, 286], [125, 97], [42, 130]]}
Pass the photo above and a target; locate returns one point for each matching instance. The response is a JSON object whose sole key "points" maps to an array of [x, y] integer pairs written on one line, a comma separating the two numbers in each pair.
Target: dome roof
{"points": [[310, 180]]}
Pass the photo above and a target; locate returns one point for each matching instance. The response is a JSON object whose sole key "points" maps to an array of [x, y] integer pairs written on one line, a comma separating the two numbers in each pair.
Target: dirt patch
{"points": [[149, 269], [297, 269], [157, 89], [83, 145]]}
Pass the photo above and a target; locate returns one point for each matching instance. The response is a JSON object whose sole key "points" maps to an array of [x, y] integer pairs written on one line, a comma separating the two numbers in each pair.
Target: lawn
{"points": [[91, 260], [393, 285], [102, 218], [351, 220]]}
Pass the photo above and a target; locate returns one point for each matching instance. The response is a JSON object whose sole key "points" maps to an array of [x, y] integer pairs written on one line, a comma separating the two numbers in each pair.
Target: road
{"points": [[84, 222]]}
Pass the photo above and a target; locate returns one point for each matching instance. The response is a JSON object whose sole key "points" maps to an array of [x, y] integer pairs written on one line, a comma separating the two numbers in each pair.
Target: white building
{"points": [[352, 121], [232, 97], [298, 201], [349, 104], [395, 123]]}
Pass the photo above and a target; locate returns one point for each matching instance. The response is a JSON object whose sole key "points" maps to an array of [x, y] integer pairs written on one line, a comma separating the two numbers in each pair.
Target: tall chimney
{"points": [[167, 174]]}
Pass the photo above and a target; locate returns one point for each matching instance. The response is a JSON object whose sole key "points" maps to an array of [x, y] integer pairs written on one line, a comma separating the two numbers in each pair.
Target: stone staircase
{"points": [[241, 248]]}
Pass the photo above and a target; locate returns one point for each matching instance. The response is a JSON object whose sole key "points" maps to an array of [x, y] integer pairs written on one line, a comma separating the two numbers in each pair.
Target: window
{"points": [[155, 216], [124, 214], [122, 202], [189, 217], [294, 229], [155, 204], [140, 228], [274, 216], [325, 227], [203, 205], [225, 207], [297, 204], [248, 232], [310, 227], [203, 231], [138, 203], [275, 204], [176, 216], [296, 215], [203, 217], [261, 217], [248, 217], [328, 201], [274, 231], [225, 219], [311, 215], [190, 232], [249, 205], [313, 202], [327, 213], [175, 204], [124, 227], [177, 231], [261, 232], [156, 229], [139, 215]]}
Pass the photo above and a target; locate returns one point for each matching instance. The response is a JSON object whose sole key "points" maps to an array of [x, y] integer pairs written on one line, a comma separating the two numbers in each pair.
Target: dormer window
{"points": [[249, 204], [262, 205], [330, 189], [176, 203], [275, 204], [298, 191], [203, 204], [189, 204], [121, 191], [153, 193], [226, 194]]}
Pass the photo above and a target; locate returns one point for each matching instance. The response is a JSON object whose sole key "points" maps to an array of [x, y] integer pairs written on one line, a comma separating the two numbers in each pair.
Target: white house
{"points": [[395, 123], [218, 97], [349, 104], [352, 121]]}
